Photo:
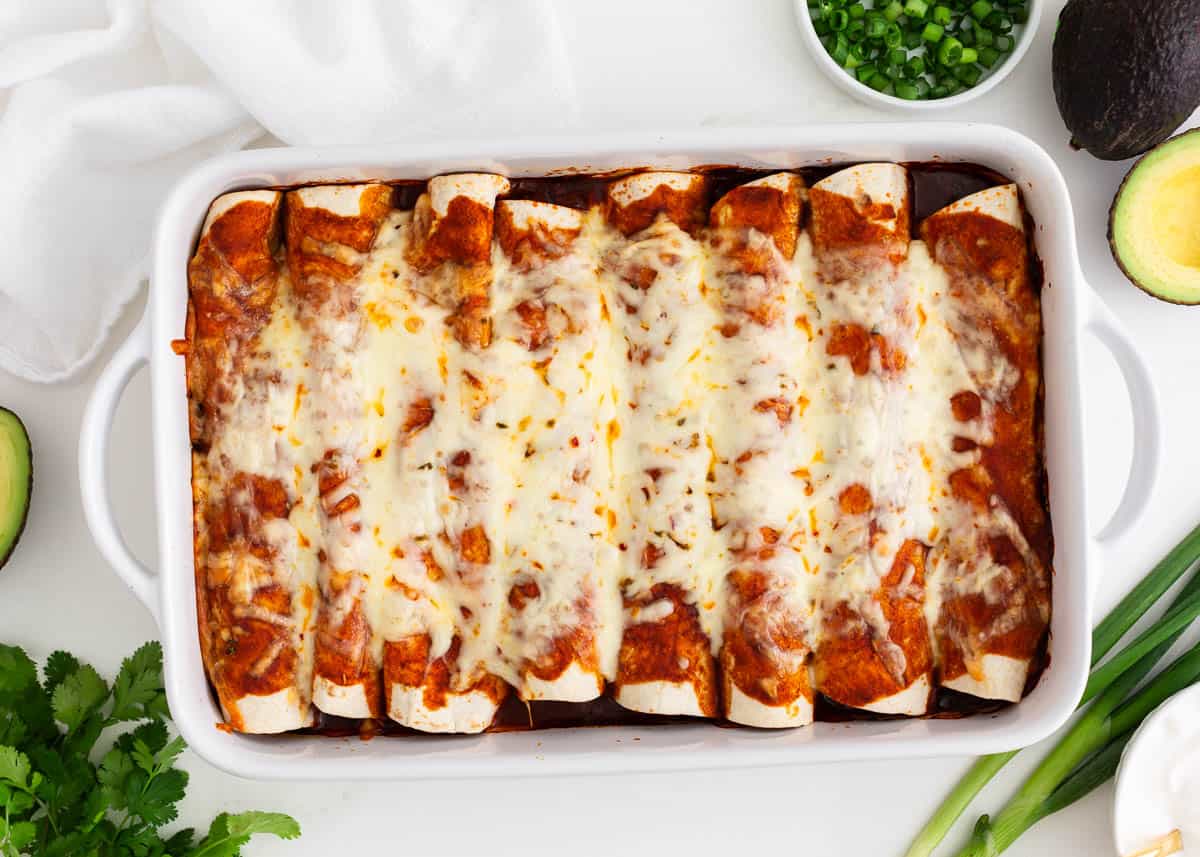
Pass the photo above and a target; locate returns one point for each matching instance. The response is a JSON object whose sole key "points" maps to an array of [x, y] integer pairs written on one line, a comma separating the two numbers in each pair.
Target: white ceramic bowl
{"points": [[1023, 33], [1071, 313], [1138, 817]]}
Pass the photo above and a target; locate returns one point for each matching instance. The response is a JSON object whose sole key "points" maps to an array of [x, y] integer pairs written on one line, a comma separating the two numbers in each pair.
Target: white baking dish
{"points": [[1070, 311]]}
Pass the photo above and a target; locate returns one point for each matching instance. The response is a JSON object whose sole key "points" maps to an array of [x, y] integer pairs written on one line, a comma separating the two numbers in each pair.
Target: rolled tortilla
{"points": [[874, 651], [641, 200], [760, 498], [438, 673], [452, 247], [988, 567], [420, 693], [558, 559], [330, 231], [254, 565], [669, 548]]}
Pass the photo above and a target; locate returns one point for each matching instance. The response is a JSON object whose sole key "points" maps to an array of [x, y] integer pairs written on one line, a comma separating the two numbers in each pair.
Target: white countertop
{"points": [[651, 65]]}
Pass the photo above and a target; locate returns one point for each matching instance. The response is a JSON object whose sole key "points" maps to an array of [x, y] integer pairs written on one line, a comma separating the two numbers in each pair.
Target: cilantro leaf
{"points": [[228, 833], [76, 843], [152, 733], [21, 834], [15, 803], [79, 695], [47, 761], [165, 756], [15, 835], [144, 743], [68, 780], [59, 665], [25, 717], [180, 842], [17, 671], [249, 823], [13, 730], [143, 756], [94, 810], [139, 842], [138, 690], [79, 744], [15, 768], [114, 771], [155, 802]]}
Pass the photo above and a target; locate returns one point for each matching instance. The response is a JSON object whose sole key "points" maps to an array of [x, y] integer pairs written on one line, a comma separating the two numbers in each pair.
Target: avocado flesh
{"points": [[1154, 225], [16, 481]]}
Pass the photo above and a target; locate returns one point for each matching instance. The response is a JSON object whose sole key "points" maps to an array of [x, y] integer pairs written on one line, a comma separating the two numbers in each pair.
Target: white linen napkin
{"points": [[104, 104]]}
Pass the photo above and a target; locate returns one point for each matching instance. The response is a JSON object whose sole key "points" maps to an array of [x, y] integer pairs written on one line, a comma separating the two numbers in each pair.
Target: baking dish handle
{"points": [[1147, 420], [94, 436]]}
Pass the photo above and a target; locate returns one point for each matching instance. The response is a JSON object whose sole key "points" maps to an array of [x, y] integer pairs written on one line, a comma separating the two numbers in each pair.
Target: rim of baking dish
{"points": [[613, 749]]}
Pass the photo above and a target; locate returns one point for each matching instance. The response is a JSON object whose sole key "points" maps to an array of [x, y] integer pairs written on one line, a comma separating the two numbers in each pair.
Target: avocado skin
{"points": [[1126, 72], [19, 426], [1114, 240]]}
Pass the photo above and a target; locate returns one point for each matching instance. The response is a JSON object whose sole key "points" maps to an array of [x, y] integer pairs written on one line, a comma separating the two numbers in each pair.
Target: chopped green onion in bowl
{"points": [[918, 50]]}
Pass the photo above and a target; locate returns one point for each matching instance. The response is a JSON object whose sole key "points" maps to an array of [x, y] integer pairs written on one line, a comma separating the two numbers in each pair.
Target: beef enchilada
{"points": [[754, 446]]}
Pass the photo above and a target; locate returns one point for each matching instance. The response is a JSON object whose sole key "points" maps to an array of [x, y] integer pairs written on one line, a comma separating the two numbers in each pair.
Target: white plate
{"points": [[1070, 312]]}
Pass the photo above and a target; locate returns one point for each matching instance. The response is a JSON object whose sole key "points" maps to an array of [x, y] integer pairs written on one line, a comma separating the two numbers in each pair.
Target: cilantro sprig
{"points": [[55, 801]]}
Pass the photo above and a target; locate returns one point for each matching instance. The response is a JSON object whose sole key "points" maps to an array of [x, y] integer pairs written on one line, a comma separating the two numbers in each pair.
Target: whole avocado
{"points": [[1126, 72]]}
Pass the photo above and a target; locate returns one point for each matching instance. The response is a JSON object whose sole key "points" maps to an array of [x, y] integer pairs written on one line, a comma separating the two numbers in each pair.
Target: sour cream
{"points": [[1158, 782]]}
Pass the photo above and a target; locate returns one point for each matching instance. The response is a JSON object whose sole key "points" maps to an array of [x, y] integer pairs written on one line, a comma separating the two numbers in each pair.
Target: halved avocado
{"points": [[16, 481], [1154, 223]]}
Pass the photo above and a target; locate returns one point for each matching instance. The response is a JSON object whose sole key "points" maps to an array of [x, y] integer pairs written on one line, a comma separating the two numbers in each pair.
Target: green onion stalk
{"points": [[1091, 734], [1105, 636]]}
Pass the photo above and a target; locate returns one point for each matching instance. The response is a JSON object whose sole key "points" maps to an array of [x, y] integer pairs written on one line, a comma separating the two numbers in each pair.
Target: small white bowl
{"points": [[1137, 817], [1023, 33]]}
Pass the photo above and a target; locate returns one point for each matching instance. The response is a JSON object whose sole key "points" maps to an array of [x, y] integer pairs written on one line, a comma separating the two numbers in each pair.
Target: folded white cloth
{"points": [[105, 104]]}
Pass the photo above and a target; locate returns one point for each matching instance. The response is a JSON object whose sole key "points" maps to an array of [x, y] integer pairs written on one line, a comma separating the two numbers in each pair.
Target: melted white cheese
{"points": [[405, 508], [553, 412], [765, 437], [669, 380], [267, 429]]}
